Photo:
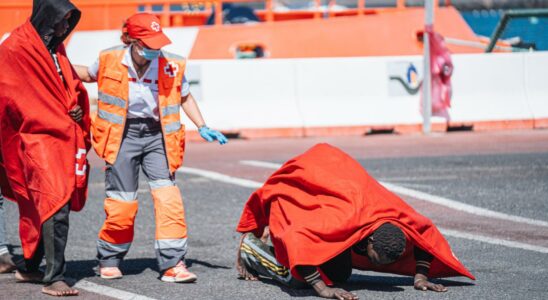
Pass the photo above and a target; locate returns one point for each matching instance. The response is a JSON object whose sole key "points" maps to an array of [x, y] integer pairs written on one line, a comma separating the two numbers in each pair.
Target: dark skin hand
{"points": [[332, 293], [242, 270], [76, 113], [422, 284]]}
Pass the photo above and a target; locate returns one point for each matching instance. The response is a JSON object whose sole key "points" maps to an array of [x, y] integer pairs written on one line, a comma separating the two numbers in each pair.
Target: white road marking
{"points": [[221, 177], [471, 209], [490, 240], [254, 184], [456, 205], [262, 164], [108, 291]]}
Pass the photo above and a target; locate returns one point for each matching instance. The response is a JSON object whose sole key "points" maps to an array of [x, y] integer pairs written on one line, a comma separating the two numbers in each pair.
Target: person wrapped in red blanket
{"points": [[326, 215], [44, 125]]}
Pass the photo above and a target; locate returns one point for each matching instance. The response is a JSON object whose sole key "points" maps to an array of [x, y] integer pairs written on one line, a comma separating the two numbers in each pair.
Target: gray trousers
{"points": [[3, 237], [142, 147]]}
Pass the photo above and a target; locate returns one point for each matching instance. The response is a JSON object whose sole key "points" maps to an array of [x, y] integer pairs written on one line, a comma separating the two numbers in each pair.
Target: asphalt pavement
{"points": [[512, 182]]}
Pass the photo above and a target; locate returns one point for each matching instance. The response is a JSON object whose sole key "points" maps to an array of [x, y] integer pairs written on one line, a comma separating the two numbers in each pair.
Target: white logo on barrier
{"points": [[155, 26], [171, 69], [81, 158]]}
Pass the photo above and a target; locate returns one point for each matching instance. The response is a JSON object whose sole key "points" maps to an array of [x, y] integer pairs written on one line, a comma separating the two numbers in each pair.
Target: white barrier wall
{"points": [[489, 87], [348, 92], [291, 93], [536, 84], [352, 92], [247, 94], [345, 92]]}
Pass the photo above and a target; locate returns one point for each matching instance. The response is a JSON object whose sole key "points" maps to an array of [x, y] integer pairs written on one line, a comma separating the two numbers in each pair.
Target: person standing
{"points": [[44, 138], [141, 89]]}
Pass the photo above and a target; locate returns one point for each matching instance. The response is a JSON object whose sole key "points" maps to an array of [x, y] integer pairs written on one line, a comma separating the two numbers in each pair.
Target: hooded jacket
{"points": [[46, 14], [43, 151]]}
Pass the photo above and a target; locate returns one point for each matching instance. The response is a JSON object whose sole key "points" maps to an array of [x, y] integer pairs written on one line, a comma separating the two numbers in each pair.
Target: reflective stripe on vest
{"points": [[170, 110], [112, 118], [106, 98], [172, 127]]}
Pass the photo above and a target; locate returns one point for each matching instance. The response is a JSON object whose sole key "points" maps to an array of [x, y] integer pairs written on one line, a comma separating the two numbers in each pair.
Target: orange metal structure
{"points": [[319, 32], [373, 35], [108, 14]]}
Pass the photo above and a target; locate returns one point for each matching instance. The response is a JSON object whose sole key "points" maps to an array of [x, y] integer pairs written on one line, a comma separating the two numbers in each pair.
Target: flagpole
{"points": [[427, 80]]}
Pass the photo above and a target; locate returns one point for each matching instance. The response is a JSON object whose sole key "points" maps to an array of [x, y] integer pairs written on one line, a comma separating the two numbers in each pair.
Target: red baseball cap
{"points": [[146, 27]]}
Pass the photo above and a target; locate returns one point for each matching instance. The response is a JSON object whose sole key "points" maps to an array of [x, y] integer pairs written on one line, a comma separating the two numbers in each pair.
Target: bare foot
{"points": [[32, 277], [59, 289], [6, 264]]}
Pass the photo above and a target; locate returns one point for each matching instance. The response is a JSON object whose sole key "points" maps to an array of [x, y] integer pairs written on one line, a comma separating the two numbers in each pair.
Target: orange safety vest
{"points": [[112, 80]]}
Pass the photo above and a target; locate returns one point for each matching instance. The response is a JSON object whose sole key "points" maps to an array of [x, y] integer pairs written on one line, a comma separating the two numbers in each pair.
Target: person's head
{"points": [[62, 27], [144, 33], [384, 246], [54, 20]]}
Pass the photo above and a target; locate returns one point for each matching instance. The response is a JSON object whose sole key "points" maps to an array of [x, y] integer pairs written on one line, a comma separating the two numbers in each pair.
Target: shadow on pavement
{"points": [[81, 269], [391, 283], [367, 282], [190, 262]]}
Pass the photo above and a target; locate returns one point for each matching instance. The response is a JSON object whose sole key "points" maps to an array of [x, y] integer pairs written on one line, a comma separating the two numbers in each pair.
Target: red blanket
{"points": [[322, 202], [43, 151]]}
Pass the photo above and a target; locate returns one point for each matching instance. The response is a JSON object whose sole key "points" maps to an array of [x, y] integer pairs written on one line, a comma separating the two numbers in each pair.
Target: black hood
{"points": [[47, 13]]}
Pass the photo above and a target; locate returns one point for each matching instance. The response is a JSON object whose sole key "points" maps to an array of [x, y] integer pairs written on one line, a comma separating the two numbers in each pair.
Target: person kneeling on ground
{"points": [[325, 215]]}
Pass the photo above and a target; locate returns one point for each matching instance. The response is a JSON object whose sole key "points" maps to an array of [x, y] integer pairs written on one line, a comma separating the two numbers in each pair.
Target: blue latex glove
{"points": [[210, 135]]}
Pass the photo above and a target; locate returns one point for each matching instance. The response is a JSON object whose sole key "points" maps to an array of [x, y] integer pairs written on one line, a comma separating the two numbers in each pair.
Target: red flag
{"points": [[42, 149], [322, 202]]}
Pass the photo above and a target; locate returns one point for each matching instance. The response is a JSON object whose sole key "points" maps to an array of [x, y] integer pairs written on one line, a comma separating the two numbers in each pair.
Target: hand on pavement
{"points": [[423, 284], [337, 293], [240, 267]]}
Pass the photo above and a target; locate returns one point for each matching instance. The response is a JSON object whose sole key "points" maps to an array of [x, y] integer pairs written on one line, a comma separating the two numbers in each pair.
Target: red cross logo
{"points": [[171, 69], [81, 162], [155, 26]]}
